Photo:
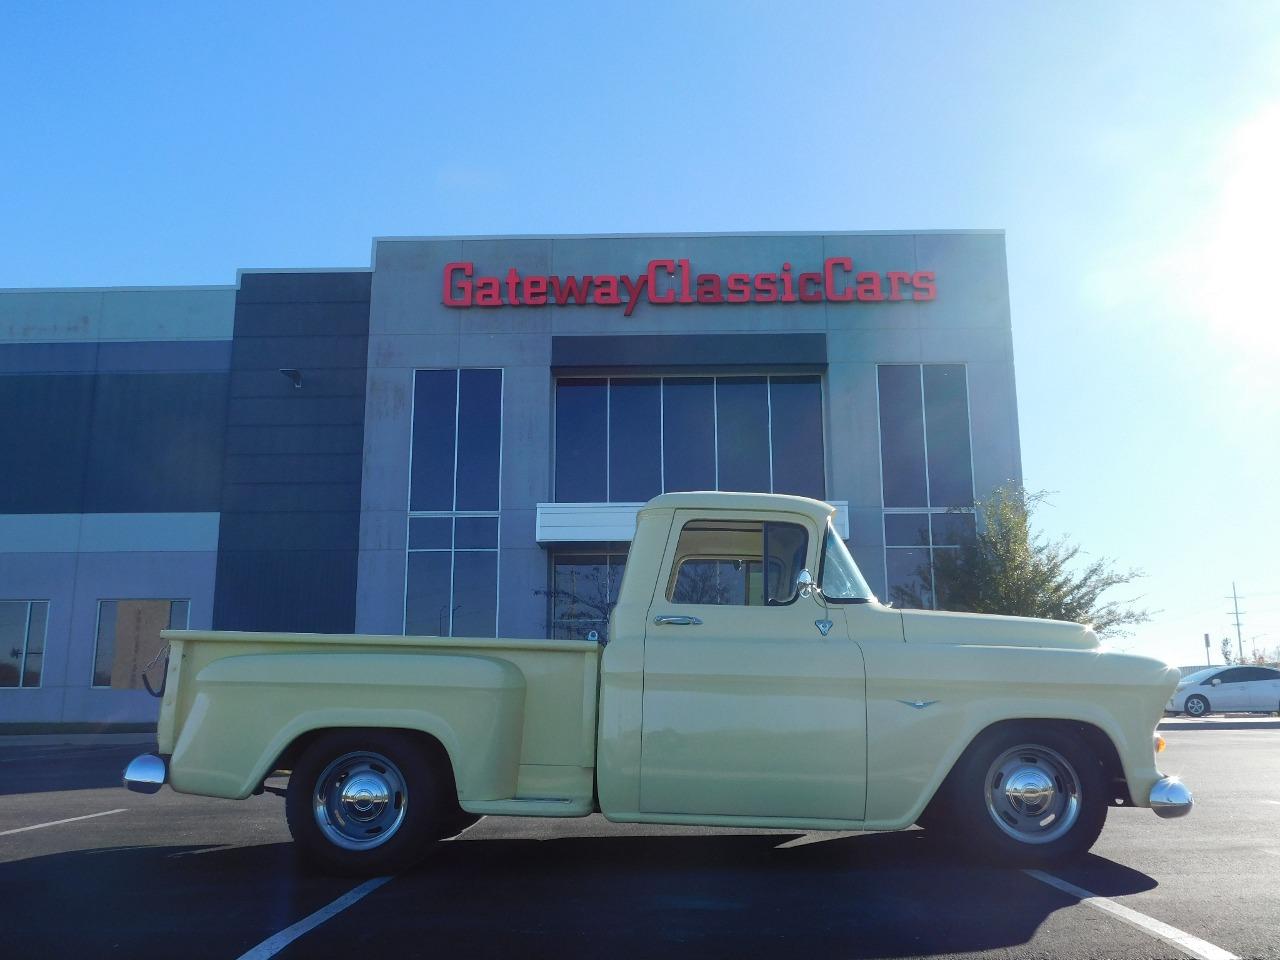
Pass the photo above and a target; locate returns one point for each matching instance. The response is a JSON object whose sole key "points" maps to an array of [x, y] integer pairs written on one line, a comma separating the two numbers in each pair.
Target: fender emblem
{"points": [[918, 704], [824, 626]]}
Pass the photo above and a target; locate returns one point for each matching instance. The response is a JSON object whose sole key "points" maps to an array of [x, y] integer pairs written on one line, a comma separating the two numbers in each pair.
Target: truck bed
{"points": [[517, 717]]}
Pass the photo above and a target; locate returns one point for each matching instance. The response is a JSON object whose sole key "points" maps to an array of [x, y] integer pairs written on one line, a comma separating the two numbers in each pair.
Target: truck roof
{"points": [[721, 500]]}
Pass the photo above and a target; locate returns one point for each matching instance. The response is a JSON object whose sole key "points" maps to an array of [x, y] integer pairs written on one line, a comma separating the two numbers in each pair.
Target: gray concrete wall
{"points": [[115, 409], [969, 322]]}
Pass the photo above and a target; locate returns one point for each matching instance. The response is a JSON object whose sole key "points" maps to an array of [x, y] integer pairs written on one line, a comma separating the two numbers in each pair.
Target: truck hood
{"points": [[936, 626]]}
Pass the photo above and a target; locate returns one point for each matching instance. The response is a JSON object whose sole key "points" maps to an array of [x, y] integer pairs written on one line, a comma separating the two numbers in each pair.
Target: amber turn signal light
{"points": [[1159, 744]]}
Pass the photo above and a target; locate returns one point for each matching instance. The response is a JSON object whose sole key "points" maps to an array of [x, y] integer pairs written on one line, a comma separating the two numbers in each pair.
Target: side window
{"points": [[737, 562], [1231, 676], [1257, 673]]}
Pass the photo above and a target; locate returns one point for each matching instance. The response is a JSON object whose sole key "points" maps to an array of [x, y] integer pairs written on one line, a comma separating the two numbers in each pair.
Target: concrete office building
{"points": [[455, 440]]}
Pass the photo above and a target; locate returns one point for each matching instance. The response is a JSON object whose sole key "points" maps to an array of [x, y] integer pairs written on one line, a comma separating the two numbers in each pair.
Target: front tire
{"points": [[1027, 795], [1196, 706], [363, 802]]}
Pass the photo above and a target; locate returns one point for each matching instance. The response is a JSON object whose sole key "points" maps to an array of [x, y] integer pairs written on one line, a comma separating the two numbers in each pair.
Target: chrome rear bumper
{"points": [[145, 774], [1170, 798]]}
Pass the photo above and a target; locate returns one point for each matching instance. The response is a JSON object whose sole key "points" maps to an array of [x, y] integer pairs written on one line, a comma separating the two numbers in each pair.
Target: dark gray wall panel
{"points": [[44, 442], [164, 356], [345, 319], [289, 497], [285, 590], [290, 526], [31, 358], [308, 438], [156, 443], [771, 350], [303, 287], [272, 353]]}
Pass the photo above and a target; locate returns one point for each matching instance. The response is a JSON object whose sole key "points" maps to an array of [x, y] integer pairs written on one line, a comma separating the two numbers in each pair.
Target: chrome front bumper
{"points": [[1170, 798], [145, 774]]}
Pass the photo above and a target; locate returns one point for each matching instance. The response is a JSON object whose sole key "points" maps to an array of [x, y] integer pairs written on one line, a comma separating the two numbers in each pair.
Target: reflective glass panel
{"points": [[946, 402], [953, 529], [689, 433], [13, 633], [430, 533], [581, 441], [427, 594], [799, 466], [902, 437], [906, 529], [35, 644], [583, 592], [635, 444], [910, 578], [479, 438], [742, 410], [475, 593], [476, 533], [435, 395]]}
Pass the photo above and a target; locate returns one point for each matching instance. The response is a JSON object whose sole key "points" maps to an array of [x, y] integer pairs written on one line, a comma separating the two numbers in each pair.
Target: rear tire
{"points": [[1027, 795], [364, 802], [1196, 706]]}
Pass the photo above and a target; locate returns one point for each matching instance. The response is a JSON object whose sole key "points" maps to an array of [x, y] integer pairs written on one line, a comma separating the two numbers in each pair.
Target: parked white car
{"points": [[1227, 689]]}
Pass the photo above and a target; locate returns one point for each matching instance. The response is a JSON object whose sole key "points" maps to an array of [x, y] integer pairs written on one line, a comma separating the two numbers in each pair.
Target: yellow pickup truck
{"points": [[751, 679]]}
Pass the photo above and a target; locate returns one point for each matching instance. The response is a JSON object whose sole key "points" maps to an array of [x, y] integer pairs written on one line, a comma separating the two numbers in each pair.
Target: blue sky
{"points": [[1130, 151]]}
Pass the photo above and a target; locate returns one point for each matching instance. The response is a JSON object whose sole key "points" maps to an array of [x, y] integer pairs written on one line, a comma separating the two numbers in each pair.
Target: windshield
{"points": [[840, 577], [1199, 675]]}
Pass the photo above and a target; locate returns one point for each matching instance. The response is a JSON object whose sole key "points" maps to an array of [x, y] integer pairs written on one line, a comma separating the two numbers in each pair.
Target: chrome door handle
{"points": [[678, 621]]}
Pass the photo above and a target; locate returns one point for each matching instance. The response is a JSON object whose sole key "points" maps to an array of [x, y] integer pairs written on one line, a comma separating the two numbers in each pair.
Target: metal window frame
{"points": [[928, 485], [552, 556], [715, 378], [454, 514], [97, 627], [26, 644]]}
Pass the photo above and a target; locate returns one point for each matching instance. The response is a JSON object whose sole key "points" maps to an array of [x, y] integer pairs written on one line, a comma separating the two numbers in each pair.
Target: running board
{"points": [[530, 807]]}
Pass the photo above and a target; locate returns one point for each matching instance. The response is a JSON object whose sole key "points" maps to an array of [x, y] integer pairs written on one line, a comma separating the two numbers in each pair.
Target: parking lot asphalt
{"points": [[119, 874]]}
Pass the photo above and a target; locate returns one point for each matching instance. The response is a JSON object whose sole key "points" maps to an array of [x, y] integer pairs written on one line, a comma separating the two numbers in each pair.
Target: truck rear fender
{"points": [[249, 710]]}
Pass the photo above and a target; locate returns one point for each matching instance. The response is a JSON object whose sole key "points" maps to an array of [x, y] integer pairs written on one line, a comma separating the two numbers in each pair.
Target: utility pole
{"points": [[1235, 602]]}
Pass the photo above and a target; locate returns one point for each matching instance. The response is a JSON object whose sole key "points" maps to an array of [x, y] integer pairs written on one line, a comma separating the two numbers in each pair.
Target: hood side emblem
{"points": [[824, 626], [918, 704]]}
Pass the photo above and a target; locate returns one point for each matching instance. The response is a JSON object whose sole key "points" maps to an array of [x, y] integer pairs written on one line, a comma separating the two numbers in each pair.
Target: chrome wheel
{"points": [[1033, 794], [1196, 706], [360, 800]]}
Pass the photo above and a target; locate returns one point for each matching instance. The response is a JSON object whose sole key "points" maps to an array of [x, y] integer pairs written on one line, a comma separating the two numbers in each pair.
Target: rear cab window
{"points": [[750, 563]]}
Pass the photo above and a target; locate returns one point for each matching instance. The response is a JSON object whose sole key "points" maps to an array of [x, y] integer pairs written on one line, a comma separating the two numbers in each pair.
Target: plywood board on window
{"points": [[138, 626]]}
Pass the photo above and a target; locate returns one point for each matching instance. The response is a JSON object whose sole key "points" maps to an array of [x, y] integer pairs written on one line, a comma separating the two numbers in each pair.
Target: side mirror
{"points": [[1216, 681], [805, 585]]}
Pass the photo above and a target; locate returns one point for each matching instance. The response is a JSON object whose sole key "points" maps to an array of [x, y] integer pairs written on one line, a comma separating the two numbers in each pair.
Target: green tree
{"points": [[1226, 650], [1006, 567]]}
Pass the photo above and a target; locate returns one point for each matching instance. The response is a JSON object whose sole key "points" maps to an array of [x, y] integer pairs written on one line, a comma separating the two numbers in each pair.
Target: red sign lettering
{"points": [[668, 282]]}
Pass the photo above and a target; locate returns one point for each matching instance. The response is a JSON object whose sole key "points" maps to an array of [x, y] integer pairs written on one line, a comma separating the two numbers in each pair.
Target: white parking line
{"points": [[1191, 946], [274, 944], [54, 823]]}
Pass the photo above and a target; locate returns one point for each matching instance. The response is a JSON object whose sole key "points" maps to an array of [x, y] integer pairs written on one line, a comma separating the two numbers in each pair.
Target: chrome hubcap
{"points": [[1033, 794], [360, 800], [1195, 707]]}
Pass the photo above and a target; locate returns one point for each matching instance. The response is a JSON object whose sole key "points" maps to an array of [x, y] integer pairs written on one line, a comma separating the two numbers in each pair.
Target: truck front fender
{"points": [[248, 709]]}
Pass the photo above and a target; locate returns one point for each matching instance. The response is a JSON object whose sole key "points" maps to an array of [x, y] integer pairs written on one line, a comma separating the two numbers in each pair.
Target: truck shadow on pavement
{"points": [[669, 896]]}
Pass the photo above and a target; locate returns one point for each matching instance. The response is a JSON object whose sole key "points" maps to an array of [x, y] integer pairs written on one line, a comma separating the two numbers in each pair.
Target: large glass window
{"points": [[452, 582], [457, 438], [584, 590], [625, 440], [451, 576], [22, 635], [927, 475], [128, 639]]}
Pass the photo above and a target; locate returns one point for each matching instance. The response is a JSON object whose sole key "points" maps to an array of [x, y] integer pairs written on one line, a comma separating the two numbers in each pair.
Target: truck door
{"points": [[748, 708]]}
